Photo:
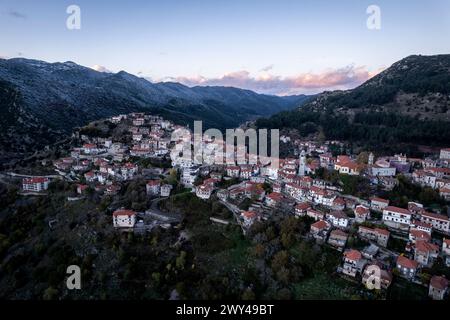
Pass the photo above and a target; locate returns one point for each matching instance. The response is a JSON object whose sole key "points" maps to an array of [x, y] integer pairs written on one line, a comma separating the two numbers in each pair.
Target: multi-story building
{"points": [[124, 218], [395, 217], [35, 184]]}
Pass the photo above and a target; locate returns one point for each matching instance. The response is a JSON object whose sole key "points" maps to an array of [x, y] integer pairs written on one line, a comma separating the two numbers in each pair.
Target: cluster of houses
{"points": [[298, 193], [105, 163], [435, 173]]}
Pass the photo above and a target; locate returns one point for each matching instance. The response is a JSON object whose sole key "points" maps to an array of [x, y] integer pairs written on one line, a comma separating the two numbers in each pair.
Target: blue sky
{"points": [[279, 47]]}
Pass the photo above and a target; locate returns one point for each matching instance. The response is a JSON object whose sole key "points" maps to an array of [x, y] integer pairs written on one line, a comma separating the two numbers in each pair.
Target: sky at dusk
{"points": [[275, 47]]}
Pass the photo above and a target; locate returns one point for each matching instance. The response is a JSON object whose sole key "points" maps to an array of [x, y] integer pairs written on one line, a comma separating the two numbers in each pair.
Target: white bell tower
{"points": [[302, 164]]}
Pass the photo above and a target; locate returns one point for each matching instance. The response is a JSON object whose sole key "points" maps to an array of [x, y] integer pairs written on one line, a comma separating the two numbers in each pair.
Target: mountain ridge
{"points": [[403, 106], [64, 95]]}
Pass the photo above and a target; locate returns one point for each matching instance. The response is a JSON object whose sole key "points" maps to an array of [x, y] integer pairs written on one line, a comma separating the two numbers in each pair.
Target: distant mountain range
{"points": [[41, 101], [405, 105]]}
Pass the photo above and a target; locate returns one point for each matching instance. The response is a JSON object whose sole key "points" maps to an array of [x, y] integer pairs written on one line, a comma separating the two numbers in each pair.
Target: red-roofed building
{"points": [[301, 208], [316, 215], [204, 191], [381, 236], [326, 160], [361, 213], [422, 226], [35, 184], [319, 230], [273, 199], [378, 204], [124, 218], [338, 203], [445, 193], [249, 217], [346, 166], [416, 234], [153, 187], [90, 148], [446, 251], [407, 267], [233, 171], [353, 263], [438, 288], [395, 217], [445, 154], [338, 219], [425, 252], [438, 221], [338, 239]]}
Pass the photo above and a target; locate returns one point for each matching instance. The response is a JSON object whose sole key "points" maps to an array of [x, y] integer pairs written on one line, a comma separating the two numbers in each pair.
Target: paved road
{"points": [[18, 175], [156, 213]]}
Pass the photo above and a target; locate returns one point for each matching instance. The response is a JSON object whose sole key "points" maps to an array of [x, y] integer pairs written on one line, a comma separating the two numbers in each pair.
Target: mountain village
{"points": [[361, 228]]}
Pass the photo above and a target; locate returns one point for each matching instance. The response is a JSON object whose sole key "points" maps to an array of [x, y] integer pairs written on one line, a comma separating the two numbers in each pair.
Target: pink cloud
{"points": [[332, 79]]}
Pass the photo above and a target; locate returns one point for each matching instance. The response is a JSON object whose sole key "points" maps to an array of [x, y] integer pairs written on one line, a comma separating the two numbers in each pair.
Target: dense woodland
{"points": [[384, 132]]}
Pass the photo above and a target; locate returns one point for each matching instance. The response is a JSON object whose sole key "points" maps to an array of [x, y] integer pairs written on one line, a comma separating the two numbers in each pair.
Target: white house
{"points": [[438, 288], [124, 218], [438, 221], [361, 213], [189, 175], [338, 219], [153, 187], [395, 217], [233, 171], [382, 168], [35, 184], [378, 204], [425, 252], [165, 190], [249, 217], [446, 251], [353, 263], [203, 191], [90, 148], [316, 215], [407, 267], [445, 154]]}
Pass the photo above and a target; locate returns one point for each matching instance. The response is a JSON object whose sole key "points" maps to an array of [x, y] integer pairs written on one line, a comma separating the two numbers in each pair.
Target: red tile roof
{"points": [[153, 183], [426, 247], [380, 200], [303, 206], [397, 210], [338, 214], [338, 233], [440, 283], [360, 210], [319, 225], [122, 212], [420, 235], [249, 214], [354, 255], [35, 180], [407, 263], [435, 216], [275, 196], [382, 231]]}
